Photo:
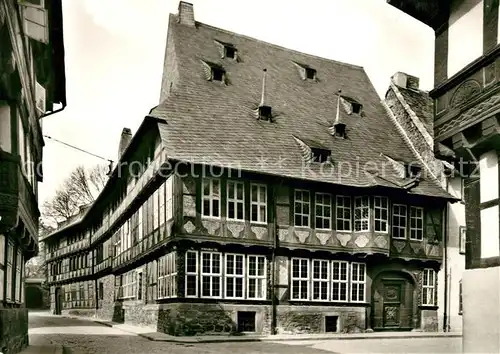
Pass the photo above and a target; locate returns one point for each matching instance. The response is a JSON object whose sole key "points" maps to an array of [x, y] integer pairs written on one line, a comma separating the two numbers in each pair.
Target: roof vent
{"points": [[351, 106], [320, 155], [265, 111], [338, 128]]}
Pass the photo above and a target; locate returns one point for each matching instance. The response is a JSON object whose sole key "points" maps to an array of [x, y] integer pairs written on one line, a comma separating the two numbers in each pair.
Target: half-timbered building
{"points": [[270, 191]]}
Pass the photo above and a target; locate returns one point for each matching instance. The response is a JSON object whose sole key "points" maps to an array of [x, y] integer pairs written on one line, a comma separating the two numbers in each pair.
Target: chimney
{"points": [[405, 81], [125, 139], [186, 14]]}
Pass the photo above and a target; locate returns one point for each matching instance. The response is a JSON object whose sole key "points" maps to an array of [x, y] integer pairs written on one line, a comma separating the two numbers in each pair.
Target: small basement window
{"points": [[229, 52], [310, 73], [246, 321], [320, 155], [265, 113], [331, 324], [217, 74]]}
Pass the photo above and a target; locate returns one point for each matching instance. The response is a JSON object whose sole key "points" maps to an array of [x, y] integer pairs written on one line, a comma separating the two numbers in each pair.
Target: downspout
{"points": [[53, 112], [274, 306], [273, 265], [445, 246]]}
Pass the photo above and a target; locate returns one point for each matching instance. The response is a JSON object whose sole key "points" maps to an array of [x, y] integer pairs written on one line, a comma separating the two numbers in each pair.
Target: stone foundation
{"points": [[311, 319], [13, 330]]}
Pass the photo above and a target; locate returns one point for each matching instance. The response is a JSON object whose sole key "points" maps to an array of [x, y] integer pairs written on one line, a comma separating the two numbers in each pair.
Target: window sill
{"points": [[428, 307]]}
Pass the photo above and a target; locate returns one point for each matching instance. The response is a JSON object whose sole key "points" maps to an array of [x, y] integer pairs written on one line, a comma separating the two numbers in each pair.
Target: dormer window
{"points": [[217, 74], [413, 171], [265, 113], [214, 72], [356, 107], [310, 73], [229, 52], [320, 155], [339, 130], [351, 105]]}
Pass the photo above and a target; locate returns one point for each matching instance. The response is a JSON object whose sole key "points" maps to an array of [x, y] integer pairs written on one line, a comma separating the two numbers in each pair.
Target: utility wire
{"points": [[77, 148]]}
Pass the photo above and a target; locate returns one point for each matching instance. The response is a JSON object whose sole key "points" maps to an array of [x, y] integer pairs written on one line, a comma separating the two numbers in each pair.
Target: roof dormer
{"points": [[312, 151], [214, 72], [227, 50], [306, 72], [351, 106]]}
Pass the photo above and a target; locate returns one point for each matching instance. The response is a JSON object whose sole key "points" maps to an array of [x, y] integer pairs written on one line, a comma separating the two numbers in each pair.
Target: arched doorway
{"points": [[394, 301], [58, 299]]}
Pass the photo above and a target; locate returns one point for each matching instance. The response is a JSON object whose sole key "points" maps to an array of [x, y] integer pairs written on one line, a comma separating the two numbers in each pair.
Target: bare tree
{"points": [[36, 266], [80, 188]]}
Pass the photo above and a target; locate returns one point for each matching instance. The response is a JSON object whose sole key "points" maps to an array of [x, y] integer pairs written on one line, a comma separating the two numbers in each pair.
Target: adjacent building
{"points": [[270, 191], [32, 85], [466, 104]]}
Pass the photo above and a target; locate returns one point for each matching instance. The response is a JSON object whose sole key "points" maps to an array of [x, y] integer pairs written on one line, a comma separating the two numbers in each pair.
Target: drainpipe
{"points": [[273, 264], [445, 246]]}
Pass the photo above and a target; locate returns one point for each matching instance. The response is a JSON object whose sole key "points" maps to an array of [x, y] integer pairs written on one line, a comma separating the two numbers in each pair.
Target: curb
{"points": [[232, 339], [287, 339]]}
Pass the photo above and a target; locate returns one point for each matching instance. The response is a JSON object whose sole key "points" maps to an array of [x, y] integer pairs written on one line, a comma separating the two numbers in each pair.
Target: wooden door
{"points": [[393, 304]]}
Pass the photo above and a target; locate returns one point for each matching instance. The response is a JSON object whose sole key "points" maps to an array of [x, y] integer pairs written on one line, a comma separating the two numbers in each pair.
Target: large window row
{"points": [[351, 213], [11, 272], [79, 295], [148, 218], [236, 203], [228, 276], [325, 280]]}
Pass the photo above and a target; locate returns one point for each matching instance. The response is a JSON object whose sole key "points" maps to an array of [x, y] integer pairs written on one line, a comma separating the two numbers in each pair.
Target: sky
{"points": [[115, 51]]}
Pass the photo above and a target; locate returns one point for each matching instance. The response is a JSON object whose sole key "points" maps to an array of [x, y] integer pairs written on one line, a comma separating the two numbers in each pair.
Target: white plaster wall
{"points": [[465, 34], [455, 261], [488, 171], [481, 294], [5, 141]]}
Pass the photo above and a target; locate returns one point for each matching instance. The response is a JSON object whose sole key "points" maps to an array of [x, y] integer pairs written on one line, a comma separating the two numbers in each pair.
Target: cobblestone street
{"points": [[81, 337]]}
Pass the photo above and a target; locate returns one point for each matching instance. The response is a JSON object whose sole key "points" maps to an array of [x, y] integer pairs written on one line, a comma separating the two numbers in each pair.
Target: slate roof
{"points": [[421, 103], [211, 123]]}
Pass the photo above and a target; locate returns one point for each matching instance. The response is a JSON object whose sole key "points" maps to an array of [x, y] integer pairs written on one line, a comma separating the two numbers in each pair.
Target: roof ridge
{"points": [[276, 45], [418, 123], [407, 140]]}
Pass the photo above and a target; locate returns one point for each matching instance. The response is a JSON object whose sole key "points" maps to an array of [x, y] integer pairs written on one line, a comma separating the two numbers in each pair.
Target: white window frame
{"points": [[210, 197], [300, 279], [212, 275], [9, 270], [320, 280], [258, 203], [156, 210], [169, 208], [235, 200], [302, 203], [262, 279], [167, 276], [428, 287], [399, 216], [378, 207], [129, 285], [234, 275], [340, 205], [192, 274], [357, 283], [319, 199], [361, 207], [19, 260], [340, 281], [416, 230]]}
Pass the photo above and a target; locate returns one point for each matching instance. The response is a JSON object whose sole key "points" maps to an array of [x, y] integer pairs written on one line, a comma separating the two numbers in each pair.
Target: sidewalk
{"points": [[40, 345], [151, 334]]}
